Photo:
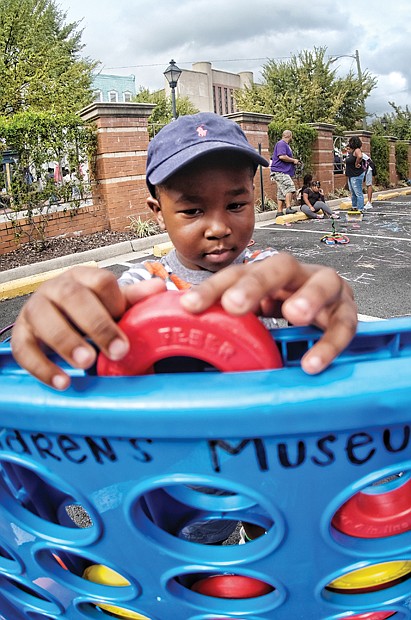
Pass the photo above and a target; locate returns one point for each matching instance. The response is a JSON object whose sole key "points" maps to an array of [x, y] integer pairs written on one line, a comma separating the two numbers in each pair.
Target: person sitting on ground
{"points": [[313, 201], [200, 173]]}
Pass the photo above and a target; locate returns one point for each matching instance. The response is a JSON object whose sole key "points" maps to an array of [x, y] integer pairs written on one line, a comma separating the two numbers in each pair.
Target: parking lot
{"points": [[376, 261]]}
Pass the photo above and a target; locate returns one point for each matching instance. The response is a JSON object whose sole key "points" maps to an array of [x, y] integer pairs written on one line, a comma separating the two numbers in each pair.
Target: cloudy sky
{"points": [[141, 36]]}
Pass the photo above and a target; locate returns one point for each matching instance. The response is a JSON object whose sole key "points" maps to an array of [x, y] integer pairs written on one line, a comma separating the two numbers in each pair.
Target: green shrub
{"points": [[401, 156], [143, 228], [380, 154]]}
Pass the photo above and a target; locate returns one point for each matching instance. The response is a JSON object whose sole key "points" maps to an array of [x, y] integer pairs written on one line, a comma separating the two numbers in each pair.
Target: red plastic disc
{"points": [[378, 515], [159, 327], [232, 586], [373, 615]]}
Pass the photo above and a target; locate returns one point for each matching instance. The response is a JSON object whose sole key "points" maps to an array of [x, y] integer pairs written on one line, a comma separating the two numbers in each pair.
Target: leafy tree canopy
{"points": [[40, 63], [162, 113], [306, 89], [397, 123]]}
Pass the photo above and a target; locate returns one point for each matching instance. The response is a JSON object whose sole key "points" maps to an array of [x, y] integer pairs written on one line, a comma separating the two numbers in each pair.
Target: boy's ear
{"points": [[154, 205]]}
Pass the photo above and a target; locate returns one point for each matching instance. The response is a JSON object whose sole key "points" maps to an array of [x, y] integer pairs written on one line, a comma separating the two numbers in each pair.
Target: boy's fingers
{"points": [[140, 290], [241, 288], [29, 355], [81, 302], [337, 336]]}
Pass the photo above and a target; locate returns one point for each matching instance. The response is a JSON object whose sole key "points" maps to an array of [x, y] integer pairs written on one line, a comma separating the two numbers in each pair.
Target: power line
{"points": [[190, 62]]}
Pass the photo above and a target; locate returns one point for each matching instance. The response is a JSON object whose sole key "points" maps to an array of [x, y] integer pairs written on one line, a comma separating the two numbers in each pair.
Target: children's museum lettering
{"points": [[357, 448]]}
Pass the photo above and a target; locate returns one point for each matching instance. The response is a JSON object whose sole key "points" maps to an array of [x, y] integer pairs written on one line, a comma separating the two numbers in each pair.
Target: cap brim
{"points": [[172, 165]]}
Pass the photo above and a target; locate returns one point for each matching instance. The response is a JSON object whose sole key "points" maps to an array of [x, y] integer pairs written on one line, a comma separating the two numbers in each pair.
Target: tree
{"points": [[40, 64], [397, 124], [306, 89], [162, 113]]}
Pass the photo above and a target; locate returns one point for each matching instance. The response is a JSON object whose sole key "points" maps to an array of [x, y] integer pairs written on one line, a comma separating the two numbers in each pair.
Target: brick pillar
{"points": [[122, 141], [323, 155], [255, 127], [392, 160]]}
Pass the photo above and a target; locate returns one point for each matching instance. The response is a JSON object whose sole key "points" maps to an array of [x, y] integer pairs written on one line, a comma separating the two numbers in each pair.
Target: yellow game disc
{"points": [[374, 575], [98, 573], [123, 613]]}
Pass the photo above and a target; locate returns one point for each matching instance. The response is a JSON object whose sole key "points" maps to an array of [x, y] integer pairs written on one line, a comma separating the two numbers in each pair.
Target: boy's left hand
{"points": [[281, 286]]}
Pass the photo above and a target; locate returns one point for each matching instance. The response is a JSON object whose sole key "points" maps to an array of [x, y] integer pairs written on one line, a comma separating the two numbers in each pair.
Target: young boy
{"points": [[200, 172]]}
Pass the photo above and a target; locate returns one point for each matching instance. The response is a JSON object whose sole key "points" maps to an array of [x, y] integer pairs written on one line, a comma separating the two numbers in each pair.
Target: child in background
{"points": [[200, 171]]}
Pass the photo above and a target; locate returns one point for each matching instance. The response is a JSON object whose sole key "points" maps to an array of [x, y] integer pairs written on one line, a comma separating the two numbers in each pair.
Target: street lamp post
{"points": [[172, 74], [356, 56]]}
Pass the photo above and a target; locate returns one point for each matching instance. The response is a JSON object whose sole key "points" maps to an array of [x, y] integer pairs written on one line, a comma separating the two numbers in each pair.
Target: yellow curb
{"points": [[24, 286], [388, 196], [345, 205], [293, 217], [161, 249]]}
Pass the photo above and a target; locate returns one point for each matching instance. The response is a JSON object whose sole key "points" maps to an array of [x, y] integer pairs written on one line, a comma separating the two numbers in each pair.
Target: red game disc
{"points": [[369, 515], [159, 328], [373, 615], [232, 586]]}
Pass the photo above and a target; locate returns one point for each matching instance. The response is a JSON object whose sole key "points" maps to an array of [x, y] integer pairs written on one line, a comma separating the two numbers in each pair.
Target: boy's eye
{"points": [[235, 206], [191, 212]]}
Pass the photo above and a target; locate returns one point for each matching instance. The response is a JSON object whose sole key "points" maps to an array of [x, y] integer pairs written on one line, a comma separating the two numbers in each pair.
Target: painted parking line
{"points": [[326, 232]]}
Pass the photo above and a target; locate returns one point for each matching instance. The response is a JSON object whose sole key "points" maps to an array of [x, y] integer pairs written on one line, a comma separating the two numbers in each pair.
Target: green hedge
{"points": [[380, 154], [401, 156]]}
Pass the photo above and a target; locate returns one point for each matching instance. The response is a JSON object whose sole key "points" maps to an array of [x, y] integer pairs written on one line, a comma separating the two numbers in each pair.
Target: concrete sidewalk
{"points": [[25, 279]]}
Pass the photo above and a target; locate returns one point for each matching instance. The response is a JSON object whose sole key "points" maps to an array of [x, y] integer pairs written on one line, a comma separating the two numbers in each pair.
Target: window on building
{"points": [[226, 108], [215, 99], [127, 96], [113, 96], [232, 100], [219, 99], [98, 95]]}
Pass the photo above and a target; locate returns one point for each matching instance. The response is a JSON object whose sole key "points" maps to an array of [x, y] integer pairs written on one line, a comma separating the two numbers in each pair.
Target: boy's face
{"points": [[208, 210]]}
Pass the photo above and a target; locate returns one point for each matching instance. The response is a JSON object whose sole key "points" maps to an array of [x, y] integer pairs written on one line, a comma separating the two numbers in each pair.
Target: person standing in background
{"points": [[369, 173], [282, 170], [354, 172]]}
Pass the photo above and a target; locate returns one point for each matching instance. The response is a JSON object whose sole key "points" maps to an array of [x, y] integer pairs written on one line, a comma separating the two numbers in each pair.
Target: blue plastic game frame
{"points": [[287, 450]]}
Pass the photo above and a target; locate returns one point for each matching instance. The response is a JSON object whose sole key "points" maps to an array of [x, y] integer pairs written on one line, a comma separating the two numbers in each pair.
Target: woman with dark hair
{"points": [[312, 200], [355, 172]]}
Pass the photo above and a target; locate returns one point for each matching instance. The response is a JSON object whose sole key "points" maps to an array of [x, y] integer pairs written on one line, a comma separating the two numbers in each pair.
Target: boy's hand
{"points": [[81, 303], [280, 286]]}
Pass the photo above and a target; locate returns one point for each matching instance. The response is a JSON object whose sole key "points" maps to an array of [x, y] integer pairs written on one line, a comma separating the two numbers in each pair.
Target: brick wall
{"points": [[84, 221], [122, 141]]}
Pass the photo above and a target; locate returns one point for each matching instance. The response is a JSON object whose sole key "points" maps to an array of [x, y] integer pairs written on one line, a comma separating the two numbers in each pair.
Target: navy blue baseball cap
{"points": [[189, 137]]}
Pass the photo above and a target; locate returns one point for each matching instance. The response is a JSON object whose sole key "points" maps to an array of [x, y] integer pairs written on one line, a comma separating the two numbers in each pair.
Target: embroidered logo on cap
{"points": [[201, 132]]}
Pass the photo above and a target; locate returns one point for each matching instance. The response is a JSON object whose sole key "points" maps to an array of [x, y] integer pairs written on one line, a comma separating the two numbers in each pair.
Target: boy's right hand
{"points": [[83, 302]]}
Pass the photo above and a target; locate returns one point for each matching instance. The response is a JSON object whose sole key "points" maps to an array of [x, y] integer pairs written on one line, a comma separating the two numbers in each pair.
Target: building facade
{"points": [[211, 90], [114, 88]]}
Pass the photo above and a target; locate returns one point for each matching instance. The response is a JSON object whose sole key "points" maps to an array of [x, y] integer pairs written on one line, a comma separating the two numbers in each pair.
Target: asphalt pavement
{"points": [[376, 261]]}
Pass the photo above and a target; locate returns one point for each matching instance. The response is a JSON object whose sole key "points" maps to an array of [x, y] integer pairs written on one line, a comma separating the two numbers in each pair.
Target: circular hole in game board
{"points": [[200, 513], [379, 510], [26, 491], [372, 579], [28, 594], [105, 610], [8, 562], [373, 615], [33, 615], [234, 592], [83, 574]]}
